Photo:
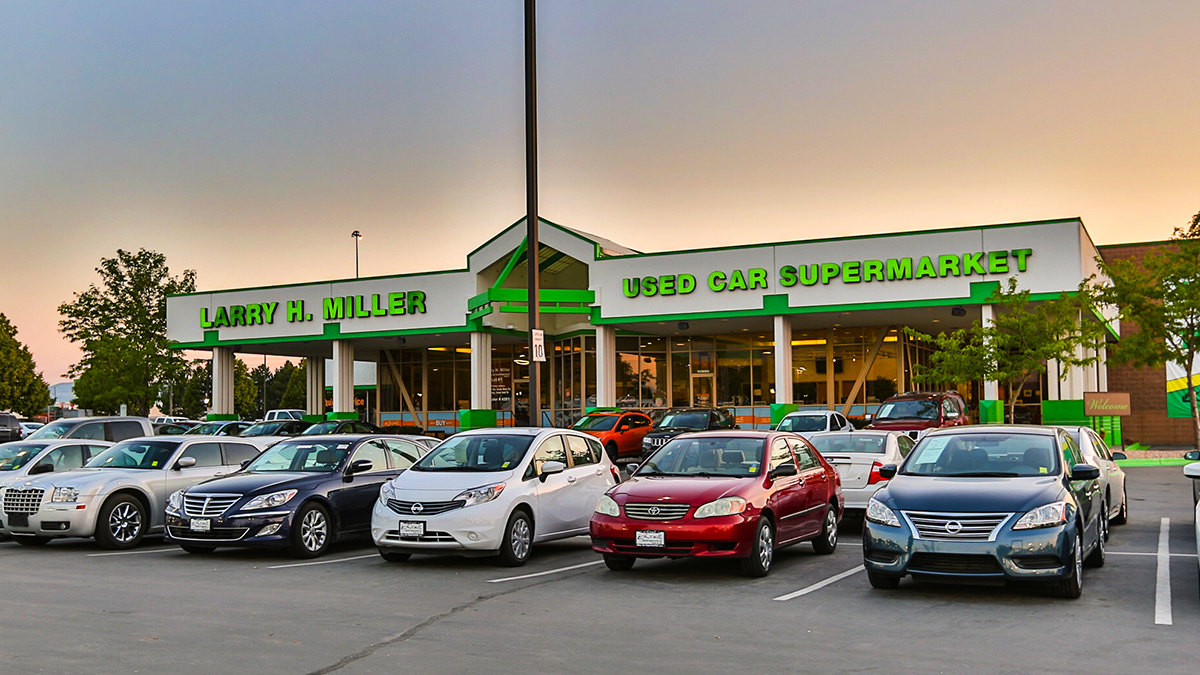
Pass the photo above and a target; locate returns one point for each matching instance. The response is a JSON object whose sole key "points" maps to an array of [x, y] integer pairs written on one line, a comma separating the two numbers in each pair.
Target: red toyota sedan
{"points": [[721, 494]]}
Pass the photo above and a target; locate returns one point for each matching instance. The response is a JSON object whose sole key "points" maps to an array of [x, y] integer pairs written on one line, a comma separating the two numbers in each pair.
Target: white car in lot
{"points": [[809, 422], [858, 456], [493, 492], [1193, 471], [1112, 478], [120, 495]]}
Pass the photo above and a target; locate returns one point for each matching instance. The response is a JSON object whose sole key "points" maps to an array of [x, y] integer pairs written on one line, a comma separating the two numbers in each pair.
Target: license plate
{"points": [[650, 538], [200, 525], [412, 528], [18, 519]]}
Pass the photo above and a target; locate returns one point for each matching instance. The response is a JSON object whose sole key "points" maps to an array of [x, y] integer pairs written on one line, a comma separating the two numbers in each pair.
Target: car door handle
{"points": [[571, 479]]}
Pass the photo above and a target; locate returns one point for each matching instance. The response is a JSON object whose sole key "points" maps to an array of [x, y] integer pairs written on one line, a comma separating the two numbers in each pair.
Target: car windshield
{"points": [[984, 455], [315, 455], [52, 430], [595, 423], [320, 429], [476, 452], [136, 454], [686, 420], [803, 423], [871, 444], [265, 429], [16, 455], [209, 429], [711, 456], [908, 410]]}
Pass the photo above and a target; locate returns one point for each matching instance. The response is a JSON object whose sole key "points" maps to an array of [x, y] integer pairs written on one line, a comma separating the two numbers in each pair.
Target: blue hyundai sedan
{"points": [[988, 504]]}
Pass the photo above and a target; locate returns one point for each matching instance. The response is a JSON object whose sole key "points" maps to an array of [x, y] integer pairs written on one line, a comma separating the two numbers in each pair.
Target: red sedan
{"points": [[721, 494]]}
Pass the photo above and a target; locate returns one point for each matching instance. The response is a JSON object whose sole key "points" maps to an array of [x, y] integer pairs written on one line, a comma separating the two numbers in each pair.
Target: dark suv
{"points": [[683, 420], [916, 412], [10, 428]]}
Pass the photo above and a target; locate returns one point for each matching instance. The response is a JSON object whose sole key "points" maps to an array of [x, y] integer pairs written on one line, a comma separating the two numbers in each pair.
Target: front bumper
{"points": [[721, 537], [465, 530], [233, 529], [55, 519], [1033, 555]]}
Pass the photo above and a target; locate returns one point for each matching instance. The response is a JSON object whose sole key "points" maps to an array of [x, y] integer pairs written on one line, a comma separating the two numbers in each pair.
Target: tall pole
{"points": [[532, 248], [357, 236]]}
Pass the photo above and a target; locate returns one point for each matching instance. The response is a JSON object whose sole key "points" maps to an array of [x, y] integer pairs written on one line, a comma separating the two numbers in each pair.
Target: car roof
{"points": [[866, 432], [996, 429], [798, 413], [736, 433]]}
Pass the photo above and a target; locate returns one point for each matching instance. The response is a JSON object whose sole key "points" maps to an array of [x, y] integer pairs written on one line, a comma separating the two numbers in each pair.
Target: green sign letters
{"points": [[333, 309]]}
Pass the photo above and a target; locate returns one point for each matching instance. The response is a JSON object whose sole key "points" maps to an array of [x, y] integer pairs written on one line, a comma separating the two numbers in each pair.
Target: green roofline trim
{"points": [[332, 331]]}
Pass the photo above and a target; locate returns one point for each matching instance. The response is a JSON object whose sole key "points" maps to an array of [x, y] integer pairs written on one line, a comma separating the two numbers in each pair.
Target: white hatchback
{"points": [[493, 492]]}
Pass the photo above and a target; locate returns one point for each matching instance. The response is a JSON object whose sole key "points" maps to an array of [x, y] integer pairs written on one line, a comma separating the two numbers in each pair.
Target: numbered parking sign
{"points": [[539, 344]]}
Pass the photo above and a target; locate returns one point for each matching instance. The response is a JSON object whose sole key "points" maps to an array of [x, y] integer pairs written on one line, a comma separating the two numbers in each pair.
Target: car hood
{"points": [[87, 479], [247, 483], [694, 490], [431, 482], [971, 495], [902, 425], [671, 431]]}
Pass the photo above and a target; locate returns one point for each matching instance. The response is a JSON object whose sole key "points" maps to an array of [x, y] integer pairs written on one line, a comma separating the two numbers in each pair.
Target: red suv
{"points": [[916, 412], [721, 494], [621, 433]]}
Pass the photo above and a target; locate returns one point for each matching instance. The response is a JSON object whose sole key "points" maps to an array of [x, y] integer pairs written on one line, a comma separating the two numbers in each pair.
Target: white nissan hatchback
{"points": [[493, 492]]}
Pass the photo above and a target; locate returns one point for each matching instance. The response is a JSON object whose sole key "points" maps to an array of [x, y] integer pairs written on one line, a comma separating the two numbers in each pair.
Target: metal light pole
{"points": [[532, 248], [357, 237]]}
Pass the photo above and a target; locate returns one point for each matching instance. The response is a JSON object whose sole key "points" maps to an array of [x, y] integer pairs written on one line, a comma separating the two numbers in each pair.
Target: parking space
{"points": [[158, 609]]}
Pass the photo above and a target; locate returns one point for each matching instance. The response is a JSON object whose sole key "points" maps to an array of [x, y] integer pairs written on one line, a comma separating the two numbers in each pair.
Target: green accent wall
{"points": [[313, 419], [780, 411], [1064, 412], [476, 418], [214, 417], [340, 416], [991, 412]]}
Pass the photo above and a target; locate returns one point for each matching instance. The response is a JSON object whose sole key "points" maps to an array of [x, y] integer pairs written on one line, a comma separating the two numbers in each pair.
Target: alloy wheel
{"points": [[831, 528], [520, 538], [313, 530], [1079, 558], [125, 522], [766, 546]]}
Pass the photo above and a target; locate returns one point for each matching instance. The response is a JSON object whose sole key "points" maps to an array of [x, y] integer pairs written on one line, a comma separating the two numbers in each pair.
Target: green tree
{"points": [[245, 390], [1015, 347], [123, 323], [280, 380], [198, 391], [296, 393], [22, 388], [261, 375], [1162, 297]]}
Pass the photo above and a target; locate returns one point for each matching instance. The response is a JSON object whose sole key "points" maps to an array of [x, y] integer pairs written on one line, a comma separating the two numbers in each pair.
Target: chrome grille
{"points": [[207, 505], [657, 441], [422, 508], [427, 538], [956, 526], [657, 511], [23, 501]]}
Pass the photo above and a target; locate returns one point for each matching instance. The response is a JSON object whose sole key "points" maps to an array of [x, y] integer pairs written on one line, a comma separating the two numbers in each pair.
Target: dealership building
{"points": [[760, 329]]}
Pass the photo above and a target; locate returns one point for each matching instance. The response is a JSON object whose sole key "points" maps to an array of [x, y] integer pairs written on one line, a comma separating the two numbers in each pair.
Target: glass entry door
{"points": [[703, 388]]}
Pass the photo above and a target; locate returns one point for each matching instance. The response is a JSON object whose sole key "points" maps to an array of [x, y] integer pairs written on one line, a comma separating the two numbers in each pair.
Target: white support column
{"points": [[222, 381], [1102, 369], [343, 376], [314, 385], [830, 383], [481, 370], [1054, 384], [783, 360], [991, 388], [606, 367]]}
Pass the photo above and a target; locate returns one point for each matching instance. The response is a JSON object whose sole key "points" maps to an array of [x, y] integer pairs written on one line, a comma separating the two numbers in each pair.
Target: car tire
{"points": [[518, 540], [619, 563], [1072, 587], [762, 551], [1096, 559], [613, 453], [31, 541], [121, 523], [394, 556], [198, 550], [312, 531], [881, 580], [827, 541], [1122, 516]]}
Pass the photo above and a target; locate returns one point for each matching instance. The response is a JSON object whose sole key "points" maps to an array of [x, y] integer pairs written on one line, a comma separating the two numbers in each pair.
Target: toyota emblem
{"points": [[417, 508], [954, 527], [653, 510]]}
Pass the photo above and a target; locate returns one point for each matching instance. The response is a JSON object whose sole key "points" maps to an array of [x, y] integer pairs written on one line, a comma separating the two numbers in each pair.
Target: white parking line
{"points": [[542, 574], [1152, 555], [153, 550], [820, 584], [1162, 584], [324, 562]]}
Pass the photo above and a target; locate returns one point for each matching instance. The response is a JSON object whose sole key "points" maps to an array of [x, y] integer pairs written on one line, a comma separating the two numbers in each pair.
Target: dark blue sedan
{"points": [[988, 504], [302, 494]]}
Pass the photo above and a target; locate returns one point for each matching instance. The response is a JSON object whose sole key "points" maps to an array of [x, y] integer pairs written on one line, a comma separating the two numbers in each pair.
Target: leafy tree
{"points": [[22, 388], [296, 393], [122, 323], [1015, 347], [245, 390], [198, 390], [261, 375], [1161, 296], [280, 380]]}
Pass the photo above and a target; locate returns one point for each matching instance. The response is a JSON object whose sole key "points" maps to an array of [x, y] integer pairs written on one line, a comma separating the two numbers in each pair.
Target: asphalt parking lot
{"points": [[73, 608]]}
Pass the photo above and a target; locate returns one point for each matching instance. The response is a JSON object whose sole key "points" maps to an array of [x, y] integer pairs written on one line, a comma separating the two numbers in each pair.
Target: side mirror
{"points": [[246, 462], [788, 469], [623, 428], [1191, 456], [630, 468], [1192, 470], [185, 463], [869, 416], [1121, 455], [1084, 472], [887, 471], [551, 468], [359, 466], [40, 468]]}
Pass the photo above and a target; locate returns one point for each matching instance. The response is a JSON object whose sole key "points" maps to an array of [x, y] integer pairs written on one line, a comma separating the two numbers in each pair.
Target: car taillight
{"points": [[616, 473], [875, 477]]}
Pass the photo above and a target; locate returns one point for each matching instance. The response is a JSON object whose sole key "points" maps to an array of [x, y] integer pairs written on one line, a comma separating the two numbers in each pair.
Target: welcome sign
{"points": [[1106, 404]]}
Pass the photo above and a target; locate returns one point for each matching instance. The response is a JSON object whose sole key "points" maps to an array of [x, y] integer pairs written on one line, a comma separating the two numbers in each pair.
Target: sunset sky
{"points": [[246, 140]]}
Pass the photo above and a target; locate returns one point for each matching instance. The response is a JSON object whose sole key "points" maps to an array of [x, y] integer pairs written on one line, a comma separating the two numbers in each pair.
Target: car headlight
{"points": [[270, 501], [878, 513], [65, 494], [608, 507], [480, 495], [175, 502], [386, 491], [725, 506], [1043, 516]]}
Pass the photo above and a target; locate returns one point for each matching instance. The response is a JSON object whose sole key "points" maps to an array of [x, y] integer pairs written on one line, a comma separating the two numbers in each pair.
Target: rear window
{"points": [[992, 454], [803, 423], [835, 444]]}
